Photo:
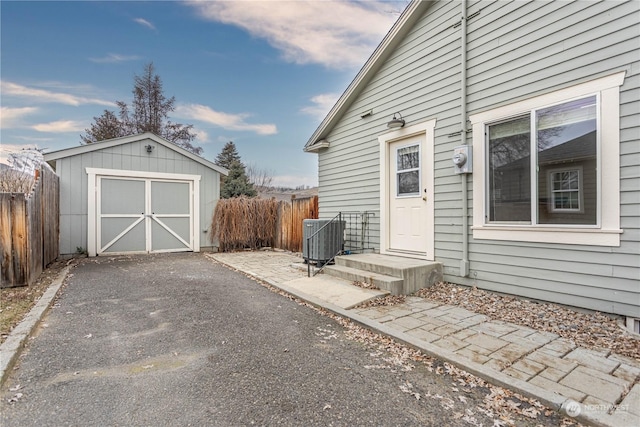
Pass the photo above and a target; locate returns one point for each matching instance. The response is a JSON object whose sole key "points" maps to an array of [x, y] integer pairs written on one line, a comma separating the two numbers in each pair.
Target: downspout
{"points": [[464, 262]]}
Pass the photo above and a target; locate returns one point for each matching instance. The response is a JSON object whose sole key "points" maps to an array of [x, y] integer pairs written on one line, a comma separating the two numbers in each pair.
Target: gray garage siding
{"points": [[131, 156]]}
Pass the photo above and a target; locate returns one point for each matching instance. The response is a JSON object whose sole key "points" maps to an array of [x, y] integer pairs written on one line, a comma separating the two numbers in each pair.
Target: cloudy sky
{"points": [[260, 73]]}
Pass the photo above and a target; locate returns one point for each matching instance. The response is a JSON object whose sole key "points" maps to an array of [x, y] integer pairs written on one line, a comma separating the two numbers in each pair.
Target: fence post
{"points": [[6, 249]]}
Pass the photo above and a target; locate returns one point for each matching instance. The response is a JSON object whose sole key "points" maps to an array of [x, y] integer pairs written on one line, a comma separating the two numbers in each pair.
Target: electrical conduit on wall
{"points": [[464, 262]]}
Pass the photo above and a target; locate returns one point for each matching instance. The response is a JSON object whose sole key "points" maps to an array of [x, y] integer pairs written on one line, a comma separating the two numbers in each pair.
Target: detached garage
{"points": [[136, 194]]}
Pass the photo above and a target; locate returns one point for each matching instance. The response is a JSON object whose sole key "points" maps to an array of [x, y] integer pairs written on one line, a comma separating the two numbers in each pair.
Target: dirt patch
{"points": [[15, 303]]}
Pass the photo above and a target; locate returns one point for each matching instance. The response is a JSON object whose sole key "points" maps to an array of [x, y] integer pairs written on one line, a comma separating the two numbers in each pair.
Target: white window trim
{"points": [[92, 186], [608, 233]]}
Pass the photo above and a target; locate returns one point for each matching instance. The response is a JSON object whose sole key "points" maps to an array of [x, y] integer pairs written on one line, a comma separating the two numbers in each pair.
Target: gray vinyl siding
{"points": [[349, 171], [133, 157], [515, 51], [510, 58]]}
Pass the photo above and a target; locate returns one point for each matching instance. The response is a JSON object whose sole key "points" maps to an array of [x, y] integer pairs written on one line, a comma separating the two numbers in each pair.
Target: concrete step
{"points": [[387, 283], [416, 273]]}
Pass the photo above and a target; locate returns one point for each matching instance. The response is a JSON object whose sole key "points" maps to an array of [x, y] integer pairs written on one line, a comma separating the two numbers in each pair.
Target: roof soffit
{"points": [[74, 151]]}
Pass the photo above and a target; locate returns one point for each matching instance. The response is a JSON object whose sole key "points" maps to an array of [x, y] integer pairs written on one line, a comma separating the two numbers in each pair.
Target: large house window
{"points": [[525, 149], [547, 169]]}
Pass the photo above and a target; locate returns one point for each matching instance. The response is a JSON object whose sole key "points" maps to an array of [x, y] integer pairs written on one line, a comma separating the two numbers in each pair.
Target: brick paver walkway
{"points": [[605, 384], [595, 378]]}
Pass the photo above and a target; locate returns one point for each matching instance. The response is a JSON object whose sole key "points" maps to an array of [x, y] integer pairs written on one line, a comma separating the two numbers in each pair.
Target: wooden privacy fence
{"points": [[244, 223], [29, 227], [290, 216]]}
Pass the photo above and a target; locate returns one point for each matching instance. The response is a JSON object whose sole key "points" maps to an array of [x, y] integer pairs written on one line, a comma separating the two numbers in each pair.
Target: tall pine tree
{"points": [[227, 156]]}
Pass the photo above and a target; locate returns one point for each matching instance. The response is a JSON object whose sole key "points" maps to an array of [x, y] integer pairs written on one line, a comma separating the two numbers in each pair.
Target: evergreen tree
{"points": [[150, 113], [237, 183], [228, 156]]}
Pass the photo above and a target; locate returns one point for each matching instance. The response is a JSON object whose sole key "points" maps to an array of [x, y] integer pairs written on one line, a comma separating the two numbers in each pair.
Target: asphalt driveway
{"points": [[177, 339]]}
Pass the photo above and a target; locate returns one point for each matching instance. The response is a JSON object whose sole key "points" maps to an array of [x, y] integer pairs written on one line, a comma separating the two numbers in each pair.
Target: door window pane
{"points": [[408, 158], [408, 171], [408, 183]]}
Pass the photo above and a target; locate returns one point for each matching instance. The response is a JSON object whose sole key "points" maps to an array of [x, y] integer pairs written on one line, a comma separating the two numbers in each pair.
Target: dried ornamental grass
{"points": [[244, 223]]}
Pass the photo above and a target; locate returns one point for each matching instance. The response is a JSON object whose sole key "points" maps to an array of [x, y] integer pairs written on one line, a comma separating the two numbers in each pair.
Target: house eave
{"points": [[319, 145], [394, 37]]}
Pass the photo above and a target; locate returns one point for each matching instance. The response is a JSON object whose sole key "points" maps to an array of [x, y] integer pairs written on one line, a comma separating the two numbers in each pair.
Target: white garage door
{"points": [[144, 215], [138, 214]]}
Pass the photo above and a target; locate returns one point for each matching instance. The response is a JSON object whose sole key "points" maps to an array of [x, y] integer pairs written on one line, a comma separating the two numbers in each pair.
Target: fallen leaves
{"points": [[407, 387], [15, 398], [387, 300], [365, 285]]}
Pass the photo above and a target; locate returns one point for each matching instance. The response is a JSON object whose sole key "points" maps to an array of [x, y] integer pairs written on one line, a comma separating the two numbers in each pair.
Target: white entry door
{"points": [[144, 215], [407, 196]]}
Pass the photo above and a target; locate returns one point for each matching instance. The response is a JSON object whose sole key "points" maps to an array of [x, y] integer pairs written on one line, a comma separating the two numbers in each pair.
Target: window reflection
{"points": [[509, 170], [565, 159]]}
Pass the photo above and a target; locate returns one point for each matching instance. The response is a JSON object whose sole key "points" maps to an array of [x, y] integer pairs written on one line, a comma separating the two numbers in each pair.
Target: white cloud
{"points": [[10, 117], [224, 120], [60, 126], [202, 136], [114, 57], [145, 23], [43, 95], [337, 34], [320, 105]]}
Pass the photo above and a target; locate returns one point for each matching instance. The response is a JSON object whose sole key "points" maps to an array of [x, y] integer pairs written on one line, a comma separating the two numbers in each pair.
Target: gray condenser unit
{"points": [[324, 245]]}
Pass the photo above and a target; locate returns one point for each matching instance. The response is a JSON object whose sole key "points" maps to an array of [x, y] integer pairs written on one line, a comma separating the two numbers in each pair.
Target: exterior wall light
{"points": [[396, 122], [149, 148]]}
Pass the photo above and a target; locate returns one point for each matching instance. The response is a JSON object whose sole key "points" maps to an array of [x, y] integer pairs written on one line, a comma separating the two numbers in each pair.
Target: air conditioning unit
{"points": [[324, 245]]}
